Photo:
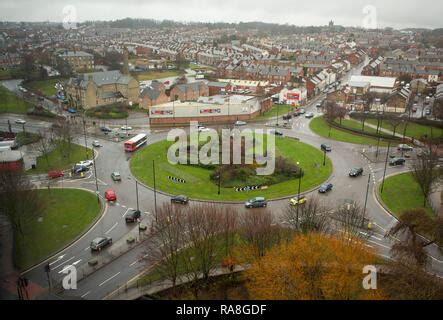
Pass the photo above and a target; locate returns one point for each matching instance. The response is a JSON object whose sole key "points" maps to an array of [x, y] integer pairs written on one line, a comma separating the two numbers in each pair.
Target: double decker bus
{"points": [[136, 142]]}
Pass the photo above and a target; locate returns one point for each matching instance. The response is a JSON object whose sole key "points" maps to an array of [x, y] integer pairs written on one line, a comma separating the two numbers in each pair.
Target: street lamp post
{"points": [[155, 190], [324, 157], [136, 193], [84, 133], [386, 164], [299, 190], [366, 200]]}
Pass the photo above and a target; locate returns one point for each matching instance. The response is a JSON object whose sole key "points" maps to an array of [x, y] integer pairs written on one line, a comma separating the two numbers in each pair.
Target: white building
{"points": [[374, 84]]}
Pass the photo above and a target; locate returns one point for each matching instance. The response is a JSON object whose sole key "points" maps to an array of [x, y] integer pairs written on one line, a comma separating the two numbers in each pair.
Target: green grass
{"points": [[14, 73], [58, 161], [413, 130], [67, 214], [108, 112], [152, 75], [45, 87], [279, 110], [401, 192], [199, 186], [24, 138], [320, 127], [10, 103]]}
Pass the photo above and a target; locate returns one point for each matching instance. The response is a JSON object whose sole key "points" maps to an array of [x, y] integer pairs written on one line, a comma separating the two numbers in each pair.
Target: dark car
{"points": [[99, 243], [277, 133], [287, 117], [79, 169], [326, 147], [132, 215], [405, 147], [257, 202], [355, 172], [105, 129], [180, 199], [397, 162], [325, 188]]}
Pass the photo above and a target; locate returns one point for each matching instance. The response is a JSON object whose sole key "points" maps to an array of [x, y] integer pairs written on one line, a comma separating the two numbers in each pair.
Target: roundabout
{"points": [[198, 182]]}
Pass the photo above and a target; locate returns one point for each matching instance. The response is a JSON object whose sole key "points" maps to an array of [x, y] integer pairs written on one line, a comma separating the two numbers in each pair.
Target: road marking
{"points": [[125, 212], [87, 248], [123, 206], [112, 228], [63, 263], [84, 295], [58, 259], [77, 262], [109, 279], [133, 263], [379, 244]]}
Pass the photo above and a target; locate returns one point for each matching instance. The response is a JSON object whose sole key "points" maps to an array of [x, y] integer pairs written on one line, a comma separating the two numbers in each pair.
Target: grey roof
{"points": [[75, 54], [194, 86], [218, 84], [100, 78]]}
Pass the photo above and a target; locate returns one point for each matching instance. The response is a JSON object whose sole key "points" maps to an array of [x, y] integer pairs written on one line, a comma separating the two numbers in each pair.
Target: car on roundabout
{"points": [[355, 172], [110, 195], [257, 202], [99, 243], [181, 199]]}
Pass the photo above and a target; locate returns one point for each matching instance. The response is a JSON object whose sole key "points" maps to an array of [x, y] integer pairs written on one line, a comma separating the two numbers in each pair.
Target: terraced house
{"points": [[95, 89]]}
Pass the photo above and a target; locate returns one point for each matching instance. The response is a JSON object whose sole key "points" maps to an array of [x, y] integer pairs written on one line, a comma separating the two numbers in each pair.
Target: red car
{"points": [[53, 174], [110, 195]]}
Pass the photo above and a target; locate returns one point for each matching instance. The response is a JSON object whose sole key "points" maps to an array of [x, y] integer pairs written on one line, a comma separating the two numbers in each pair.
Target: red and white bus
{"points": [[136, 142]]}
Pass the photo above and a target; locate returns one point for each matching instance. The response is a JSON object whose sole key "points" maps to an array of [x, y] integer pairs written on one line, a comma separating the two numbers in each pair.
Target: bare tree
{"points": [[44, 146], [309, 217], [229, 229], [426, 173], [350, 219], [202, 226], [164, 249], [65, 133], [257, 229], [19, 202]]}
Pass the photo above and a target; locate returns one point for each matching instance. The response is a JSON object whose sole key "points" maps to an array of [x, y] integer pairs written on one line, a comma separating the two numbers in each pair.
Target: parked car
{"points": [[318, 105], [297, 201], [86, 163], [276, 133], [116, 176], [302, 111], [105, 129], [126, 128], [240, 123], [181, 199], [96, 144], [325, 188], [326, 147], [79, 169], [110, 195], [132, 215], [202, 129], [99, 243], [20, 121], [404, 147], [355, 172], [428, 112], [287, 117], [257, 202], [397, 162], [53, 174], [309, 115]]}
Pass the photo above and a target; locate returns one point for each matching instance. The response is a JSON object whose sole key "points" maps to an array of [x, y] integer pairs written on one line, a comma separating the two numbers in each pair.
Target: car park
{"points": [[297, 201], [181, 199], [325, 188], [355, 172], [326, 147], [99, 243], [257, 202], [20, 121], [115, 176], [110, 195], [132, 215], [397, 162], [404, 147]]}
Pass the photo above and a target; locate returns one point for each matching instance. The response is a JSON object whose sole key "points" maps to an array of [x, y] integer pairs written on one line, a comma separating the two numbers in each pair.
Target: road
{"points": [[122, 268]]}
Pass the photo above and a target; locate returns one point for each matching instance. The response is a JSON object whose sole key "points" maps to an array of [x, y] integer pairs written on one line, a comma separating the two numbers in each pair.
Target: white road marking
{"points": [[63, 263], [379, 244], [58, 259], [84, 295], [77, 262], [125, 212], [123, 206], [109, 279], [133, 263], [112, 228], [87, 248]]}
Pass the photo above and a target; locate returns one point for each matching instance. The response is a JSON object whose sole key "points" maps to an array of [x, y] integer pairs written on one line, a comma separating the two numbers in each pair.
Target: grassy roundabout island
{"points": [[66, 215], [199, 185]]}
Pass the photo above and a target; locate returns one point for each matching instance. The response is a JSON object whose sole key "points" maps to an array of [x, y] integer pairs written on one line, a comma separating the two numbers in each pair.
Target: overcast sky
{"points": [[393, 13]]}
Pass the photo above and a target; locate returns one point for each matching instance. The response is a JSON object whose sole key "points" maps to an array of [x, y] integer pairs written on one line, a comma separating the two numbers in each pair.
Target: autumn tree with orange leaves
{"points": [[312, 266]]}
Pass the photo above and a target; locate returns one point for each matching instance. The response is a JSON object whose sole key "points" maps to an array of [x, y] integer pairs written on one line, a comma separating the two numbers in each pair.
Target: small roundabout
{"points": [[238, 182]]}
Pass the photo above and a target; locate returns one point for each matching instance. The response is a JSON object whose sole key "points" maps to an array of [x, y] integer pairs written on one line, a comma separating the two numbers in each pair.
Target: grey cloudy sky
{"points": [[394, 13]]}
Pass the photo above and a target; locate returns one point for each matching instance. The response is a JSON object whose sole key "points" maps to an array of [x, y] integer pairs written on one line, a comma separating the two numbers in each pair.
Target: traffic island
{"points": [[238, 184]]}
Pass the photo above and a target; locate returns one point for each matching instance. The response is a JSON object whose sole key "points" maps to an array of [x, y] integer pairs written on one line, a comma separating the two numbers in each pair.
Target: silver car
{"points": [[99, 243]]}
